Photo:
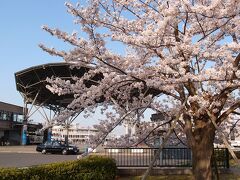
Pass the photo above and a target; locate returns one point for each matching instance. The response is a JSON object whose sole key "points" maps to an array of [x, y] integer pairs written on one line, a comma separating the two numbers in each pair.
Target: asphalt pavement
{"points": [[31, 159], [26, 156]]}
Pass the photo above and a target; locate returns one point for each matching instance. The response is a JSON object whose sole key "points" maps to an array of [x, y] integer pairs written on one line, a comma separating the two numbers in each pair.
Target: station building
{"points": [[11, 124], [11, 118]]}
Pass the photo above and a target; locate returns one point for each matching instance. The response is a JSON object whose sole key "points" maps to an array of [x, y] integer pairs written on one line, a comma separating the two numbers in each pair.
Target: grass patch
{"points": [[232, 163], [169, 177], [178, 177]]}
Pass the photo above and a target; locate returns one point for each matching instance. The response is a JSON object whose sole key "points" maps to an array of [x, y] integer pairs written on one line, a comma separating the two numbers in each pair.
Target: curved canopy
{"points": [[31, 82]]}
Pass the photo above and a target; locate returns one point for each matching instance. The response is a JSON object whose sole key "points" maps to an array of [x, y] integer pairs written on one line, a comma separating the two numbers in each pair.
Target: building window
{"points": [[4, 116], [15, 117], [19, 118], [1, 115]]}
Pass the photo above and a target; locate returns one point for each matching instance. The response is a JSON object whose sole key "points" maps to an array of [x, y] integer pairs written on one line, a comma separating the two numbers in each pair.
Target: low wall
{"points": [[138, 171]]}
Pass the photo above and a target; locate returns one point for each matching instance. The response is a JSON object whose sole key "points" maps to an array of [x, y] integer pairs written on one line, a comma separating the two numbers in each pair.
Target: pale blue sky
{"points": [[20, 34]]}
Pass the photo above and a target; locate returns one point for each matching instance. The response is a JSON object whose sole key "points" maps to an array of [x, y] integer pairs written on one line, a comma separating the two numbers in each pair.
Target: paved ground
{"points": [[8, 159], [24, 156]]}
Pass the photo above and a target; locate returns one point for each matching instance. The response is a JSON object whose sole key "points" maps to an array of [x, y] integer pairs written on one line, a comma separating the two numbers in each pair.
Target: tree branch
{"points": [[227, 112]]}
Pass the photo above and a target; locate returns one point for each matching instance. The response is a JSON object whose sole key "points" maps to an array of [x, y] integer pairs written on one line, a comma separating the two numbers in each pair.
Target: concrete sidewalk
{"points": [[18, 149], [235, 170]]}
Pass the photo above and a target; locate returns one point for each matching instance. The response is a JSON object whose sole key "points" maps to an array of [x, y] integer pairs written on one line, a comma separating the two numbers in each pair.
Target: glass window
{"points": [[20, 118], [48, 143], [56, 143], [1, 114], [10, 116], [4, 117], [15, 117]]}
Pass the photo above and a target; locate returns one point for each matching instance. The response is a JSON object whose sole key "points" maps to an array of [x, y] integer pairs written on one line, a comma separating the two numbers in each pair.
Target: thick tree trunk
{"points": [[202, 151]]}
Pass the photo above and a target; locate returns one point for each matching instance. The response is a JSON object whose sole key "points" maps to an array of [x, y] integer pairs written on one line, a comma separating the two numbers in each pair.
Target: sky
{"points": [[20, 34]]}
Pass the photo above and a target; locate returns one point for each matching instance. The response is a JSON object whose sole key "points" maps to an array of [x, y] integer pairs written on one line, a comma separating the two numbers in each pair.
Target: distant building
{"points": [[76, 134], [234, 134]]}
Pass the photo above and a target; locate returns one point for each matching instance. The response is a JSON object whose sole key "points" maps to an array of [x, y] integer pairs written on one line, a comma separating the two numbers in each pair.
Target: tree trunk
{"points": [[202, 151]]}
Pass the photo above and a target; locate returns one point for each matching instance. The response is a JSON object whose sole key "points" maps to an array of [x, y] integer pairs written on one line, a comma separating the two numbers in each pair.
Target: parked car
{"points": [[57, 147]]}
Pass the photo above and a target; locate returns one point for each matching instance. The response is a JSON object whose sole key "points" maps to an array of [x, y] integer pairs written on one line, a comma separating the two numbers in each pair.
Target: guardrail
{"points": [[168, 157]]}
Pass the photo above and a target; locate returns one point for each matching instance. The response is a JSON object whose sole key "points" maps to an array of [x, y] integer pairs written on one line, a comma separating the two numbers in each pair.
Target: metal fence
{"points": [[168, 157]]}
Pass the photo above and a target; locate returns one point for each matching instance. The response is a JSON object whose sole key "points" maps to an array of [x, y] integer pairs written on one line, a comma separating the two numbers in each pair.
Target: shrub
{"points": [[90, 168]]}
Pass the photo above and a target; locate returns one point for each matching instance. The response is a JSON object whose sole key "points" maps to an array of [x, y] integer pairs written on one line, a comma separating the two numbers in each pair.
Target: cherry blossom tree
{"points": [[181, 58]]}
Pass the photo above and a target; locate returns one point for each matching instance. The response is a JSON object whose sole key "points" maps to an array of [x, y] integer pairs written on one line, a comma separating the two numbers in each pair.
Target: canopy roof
{"points": [[31, 82]]}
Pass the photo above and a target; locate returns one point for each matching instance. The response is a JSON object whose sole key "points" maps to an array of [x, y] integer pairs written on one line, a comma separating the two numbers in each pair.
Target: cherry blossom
{"points": [[176, 51]]}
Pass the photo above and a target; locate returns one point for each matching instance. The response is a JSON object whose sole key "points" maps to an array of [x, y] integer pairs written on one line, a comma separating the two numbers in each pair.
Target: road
{"points": [[13, 159], [25, 156]]}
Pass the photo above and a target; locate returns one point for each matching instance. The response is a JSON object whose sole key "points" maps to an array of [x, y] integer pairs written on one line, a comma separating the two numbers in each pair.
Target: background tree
{"points": [[185, 51]]}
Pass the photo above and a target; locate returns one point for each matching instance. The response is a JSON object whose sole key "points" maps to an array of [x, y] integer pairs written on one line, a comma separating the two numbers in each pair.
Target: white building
{"points": [[234, 136], [76, 134]]}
